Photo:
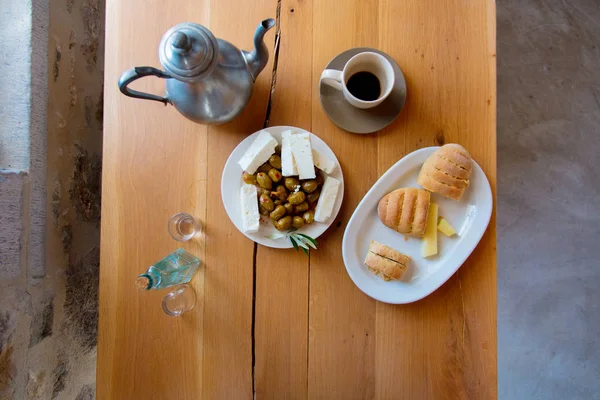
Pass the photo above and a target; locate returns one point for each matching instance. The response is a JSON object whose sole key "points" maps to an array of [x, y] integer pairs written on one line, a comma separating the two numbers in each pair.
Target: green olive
{"points": [[319, 178], [309, 217], [297, 198], [275, 161], [266, 192], [262, 210], [301, 207], [297, 222], [313, 197], [280, 193], [266, 202], [277, 213], [249, 178], [291, 183], [289, 208], [275, 175], [263, 180], [266, 167], [277, 202], [284, 223], [309, 186]]}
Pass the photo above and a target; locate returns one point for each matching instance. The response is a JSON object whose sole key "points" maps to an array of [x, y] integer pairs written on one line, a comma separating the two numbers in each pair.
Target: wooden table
{"points": [[275, 322]]}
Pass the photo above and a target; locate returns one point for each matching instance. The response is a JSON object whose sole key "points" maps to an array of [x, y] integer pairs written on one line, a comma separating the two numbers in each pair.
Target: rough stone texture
{"points": [[15, 319], [85, 188], [59, 376], [11, 227], [36, 253], [15, 53], [87, 393], [548, 199], [43, 319], [7, 369], [49, 270], [81, 304]]}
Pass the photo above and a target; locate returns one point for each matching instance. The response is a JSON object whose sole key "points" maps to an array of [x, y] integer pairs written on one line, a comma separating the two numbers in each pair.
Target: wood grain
{"points": [[342, 319], [230, 255], [146, 178], [282, 275], [449, 66], [310, 333], [158, 163]]}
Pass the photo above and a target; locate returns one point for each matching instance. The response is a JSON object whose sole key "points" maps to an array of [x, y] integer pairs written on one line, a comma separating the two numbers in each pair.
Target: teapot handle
{"points": [[137, 73]]}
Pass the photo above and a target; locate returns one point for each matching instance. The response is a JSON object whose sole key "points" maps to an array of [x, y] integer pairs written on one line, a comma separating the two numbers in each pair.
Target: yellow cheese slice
{"points": [[429, 246], [445, 227]]}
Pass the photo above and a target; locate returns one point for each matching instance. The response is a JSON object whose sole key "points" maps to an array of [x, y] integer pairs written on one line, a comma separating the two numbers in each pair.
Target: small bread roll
{"points": [[384, 268], [388, 252], [447, 171], [386, 262], [405, 210]]}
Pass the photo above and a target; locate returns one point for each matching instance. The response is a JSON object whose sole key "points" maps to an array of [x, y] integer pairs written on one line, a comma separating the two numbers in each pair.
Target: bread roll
{"points": [[384, 268], [447, 171], [388, 252], [386, 262], [405, 210]]}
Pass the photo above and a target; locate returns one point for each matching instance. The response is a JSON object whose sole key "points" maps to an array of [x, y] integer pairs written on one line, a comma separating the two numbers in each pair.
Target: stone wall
{"points": [[50, 161]]}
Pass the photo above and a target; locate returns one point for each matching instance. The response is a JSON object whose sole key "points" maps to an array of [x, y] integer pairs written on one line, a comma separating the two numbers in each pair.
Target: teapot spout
{"points": [[257, 58]]}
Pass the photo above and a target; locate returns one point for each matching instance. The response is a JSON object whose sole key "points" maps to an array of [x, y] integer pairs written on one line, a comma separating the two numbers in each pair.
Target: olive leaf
{"points": [[276, 236], [298, 240], [310, 241], [294, 243], [303, 241]]}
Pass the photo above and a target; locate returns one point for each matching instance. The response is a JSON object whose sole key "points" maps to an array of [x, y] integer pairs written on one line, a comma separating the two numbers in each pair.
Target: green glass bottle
{"points": [[176, 268]]}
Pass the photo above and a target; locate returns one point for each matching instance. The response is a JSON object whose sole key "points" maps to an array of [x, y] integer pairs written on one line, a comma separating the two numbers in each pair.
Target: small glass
{"points": [[183, 227], [180, 299]]}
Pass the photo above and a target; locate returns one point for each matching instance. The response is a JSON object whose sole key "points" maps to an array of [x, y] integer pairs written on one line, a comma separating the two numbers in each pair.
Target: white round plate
{"points": [[231, 183], [470, 217]]}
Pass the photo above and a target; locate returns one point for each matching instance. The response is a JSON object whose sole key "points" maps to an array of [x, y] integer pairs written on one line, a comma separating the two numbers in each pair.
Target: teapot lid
{"points": [[188, 51]]}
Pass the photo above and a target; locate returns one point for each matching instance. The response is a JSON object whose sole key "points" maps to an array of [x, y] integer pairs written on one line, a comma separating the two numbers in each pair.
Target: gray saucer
{"points": [[353, 119]]}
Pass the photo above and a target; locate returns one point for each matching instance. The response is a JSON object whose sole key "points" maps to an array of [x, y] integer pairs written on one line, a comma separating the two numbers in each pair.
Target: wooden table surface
{"points": [[275, 322]]}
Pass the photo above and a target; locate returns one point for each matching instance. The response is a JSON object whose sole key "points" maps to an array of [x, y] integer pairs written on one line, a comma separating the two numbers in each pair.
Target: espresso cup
{"points": [[366, 80]]}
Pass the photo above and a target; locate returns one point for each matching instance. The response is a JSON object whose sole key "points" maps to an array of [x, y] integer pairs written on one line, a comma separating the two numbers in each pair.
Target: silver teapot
{"points": [[209, 80]]}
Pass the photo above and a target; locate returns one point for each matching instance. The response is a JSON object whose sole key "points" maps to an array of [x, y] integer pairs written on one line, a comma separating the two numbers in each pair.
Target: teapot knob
{"points": [[181, 41], [188, 52]]}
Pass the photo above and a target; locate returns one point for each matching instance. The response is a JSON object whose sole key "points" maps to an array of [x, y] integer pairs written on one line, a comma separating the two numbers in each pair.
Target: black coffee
{"points": [[364, 86]]}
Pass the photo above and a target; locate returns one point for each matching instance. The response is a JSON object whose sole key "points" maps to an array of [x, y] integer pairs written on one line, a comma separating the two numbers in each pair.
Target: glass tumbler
{"points": [[183, 227], [180, 299]]}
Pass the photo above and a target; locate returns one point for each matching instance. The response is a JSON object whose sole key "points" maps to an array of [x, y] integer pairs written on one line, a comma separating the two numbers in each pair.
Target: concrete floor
{"points": [[548, 199]]}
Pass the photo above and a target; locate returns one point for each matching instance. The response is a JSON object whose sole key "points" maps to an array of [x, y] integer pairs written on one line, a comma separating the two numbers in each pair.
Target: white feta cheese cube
{"points": [[259, 152], [249, 202], [322, 162], [288, 165], [329, 194], [302, 152]]}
